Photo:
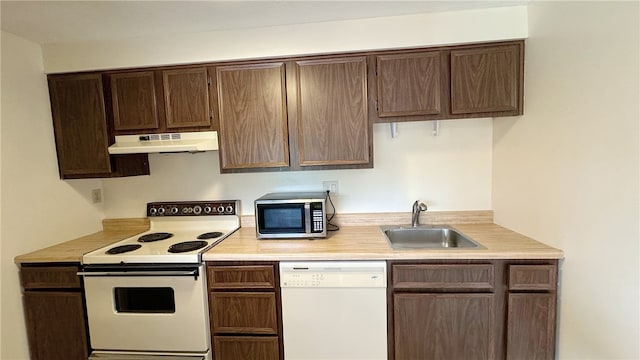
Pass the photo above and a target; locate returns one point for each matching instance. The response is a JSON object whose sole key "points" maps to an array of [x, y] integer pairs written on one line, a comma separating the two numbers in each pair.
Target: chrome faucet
{"points": [[415, 212]]}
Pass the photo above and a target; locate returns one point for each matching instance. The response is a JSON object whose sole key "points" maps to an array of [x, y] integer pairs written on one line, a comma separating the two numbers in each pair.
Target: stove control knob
{"points": [[220, 209], [161, 211], [207, 209], [174, 210], [229, 209], [185, 210], [153, 211], [197, 209]]}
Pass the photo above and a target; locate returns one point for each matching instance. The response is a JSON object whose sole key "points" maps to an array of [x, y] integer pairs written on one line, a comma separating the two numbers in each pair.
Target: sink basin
{"points": [[427, 237]]}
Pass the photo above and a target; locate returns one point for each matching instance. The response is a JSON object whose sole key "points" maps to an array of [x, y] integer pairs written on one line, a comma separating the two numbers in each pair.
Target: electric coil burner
{"points": [[146, 296], [179, 233]]}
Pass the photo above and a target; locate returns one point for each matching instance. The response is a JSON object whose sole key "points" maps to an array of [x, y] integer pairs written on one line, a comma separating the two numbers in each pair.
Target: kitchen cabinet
{"points": [[81, 133], [487, 80], [296, 115], [160, 100], [245, 311], [251, 110], [54, 312], [409, 86], [531, 315], [472, 309], [430, 321], [463, 81]]}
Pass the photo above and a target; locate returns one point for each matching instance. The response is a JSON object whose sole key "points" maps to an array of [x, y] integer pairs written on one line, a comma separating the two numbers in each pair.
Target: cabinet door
{"points": [[252, 113], [409, 84], [531, 325], [133, 96], [331, 119], [186, 95], [80, 125], [245, 348], [443, 326], [486, 80], [55, 325], [243, 313]]}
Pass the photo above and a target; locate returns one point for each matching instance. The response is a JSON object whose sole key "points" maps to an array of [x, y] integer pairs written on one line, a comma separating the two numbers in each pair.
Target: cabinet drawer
{"points": [[443, 276], [241, 277], [533, 277], [246, 347], [50, 277], [243, 313]]}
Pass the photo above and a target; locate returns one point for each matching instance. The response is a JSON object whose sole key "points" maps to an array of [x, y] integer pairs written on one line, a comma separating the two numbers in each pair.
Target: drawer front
{"points": [[50, 277], [243, 313], [241, 277], [533, 277], [443, 276], [246, 347]]}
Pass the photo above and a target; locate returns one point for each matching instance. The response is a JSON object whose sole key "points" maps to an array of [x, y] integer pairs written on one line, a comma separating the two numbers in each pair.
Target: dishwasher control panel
{"points": [[335, 274]]}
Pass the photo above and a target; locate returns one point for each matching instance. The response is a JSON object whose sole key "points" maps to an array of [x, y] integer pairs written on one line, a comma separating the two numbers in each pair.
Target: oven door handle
{"points": [[193, 273]]}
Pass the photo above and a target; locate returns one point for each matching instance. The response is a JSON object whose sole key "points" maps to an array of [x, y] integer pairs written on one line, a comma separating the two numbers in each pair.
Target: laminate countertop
{"points": [[71, 251], [357, 239], [369, 243]]}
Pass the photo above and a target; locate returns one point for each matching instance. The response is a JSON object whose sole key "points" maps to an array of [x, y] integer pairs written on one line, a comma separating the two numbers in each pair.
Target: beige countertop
{"points": [[113, 231], [360, 238], [367, 242]]}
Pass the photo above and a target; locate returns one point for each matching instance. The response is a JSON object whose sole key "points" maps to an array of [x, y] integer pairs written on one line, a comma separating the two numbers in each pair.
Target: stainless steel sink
{"points": [[427, 237]]}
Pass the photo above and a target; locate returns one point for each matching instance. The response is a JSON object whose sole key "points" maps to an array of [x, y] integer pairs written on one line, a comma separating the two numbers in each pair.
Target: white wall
{"points": [[567, 171], [450, 172], [326, 37], [38, 209]]}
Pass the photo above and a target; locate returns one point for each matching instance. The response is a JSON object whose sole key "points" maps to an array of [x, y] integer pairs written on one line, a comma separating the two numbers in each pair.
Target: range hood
{"points": [[165, 143]]}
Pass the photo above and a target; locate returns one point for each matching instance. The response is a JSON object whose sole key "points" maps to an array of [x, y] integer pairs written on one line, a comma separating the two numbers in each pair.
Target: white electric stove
{"points": [[146, 296]]}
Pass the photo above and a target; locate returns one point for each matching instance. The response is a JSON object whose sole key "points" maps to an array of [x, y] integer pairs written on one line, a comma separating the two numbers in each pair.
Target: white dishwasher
{"points": [[334, 310]]}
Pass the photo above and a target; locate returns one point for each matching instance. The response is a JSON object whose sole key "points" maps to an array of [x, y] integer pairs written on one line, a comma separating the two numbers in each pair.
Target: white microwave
{"points": [[291, 215]]}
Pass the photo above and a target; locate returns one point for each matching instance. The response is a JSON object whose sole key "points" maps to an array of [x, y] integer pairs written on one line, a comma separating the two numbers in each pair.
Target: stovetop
{"points": [[179, 233]]}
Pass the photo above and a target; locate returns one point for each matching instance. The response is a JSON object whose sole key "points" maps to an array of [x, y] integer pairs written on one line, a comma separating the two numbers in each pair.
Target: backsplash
{"points": [[450, 172]]}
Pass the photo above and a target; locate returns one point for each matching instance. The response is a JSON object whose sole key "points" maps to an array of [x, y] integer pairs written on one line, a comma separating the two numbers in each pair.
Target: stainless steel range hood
{"points": [[165, 143]]}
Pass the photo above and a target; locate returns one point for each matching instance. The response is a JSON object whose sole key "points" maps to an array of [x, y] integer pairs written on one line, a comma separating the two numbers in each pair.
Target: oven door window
{"points": [[144, 300]]}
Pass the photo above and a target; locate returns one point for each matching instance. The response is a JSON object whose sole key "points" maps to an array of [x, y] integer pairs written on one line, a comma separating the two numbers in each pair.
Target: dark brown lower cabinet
{"points": [[245, 348], [245, 313], [472, 309], [443, 326], [54, 313]]}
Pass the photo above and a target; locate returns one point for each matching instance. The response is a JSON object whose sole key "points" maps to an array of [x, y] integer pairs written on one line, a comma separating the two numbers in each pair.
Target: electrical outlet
{"points": [[332, 186], [96, 196]]}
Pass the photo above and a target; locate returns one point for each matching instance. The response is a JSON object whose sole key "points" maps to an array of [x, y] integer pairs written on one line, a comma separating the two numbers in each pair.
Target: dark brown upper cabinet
{"points": [[328, 117], [186, 96], [81, 132], [465, 81], [250, 107], [487, 79], [133, 96], [296, 115], [410, 85], [160, 100]]}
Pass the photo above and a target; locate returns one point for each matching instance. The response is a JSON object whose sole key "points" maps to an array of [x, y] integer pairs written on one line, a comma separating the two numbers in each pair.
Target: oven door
{"points": [[158, 310]]}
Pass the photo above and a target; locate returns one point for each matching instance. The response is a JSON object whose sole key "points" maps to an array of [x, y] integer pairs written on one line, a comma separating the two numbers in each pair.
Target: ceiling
{"points": [[72, 21]]}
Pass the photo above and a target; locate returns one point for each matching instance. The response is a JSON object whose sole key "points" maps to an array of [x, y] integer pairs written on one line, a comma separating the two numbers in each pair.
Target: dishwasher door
{"points": [[334, 310]]}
